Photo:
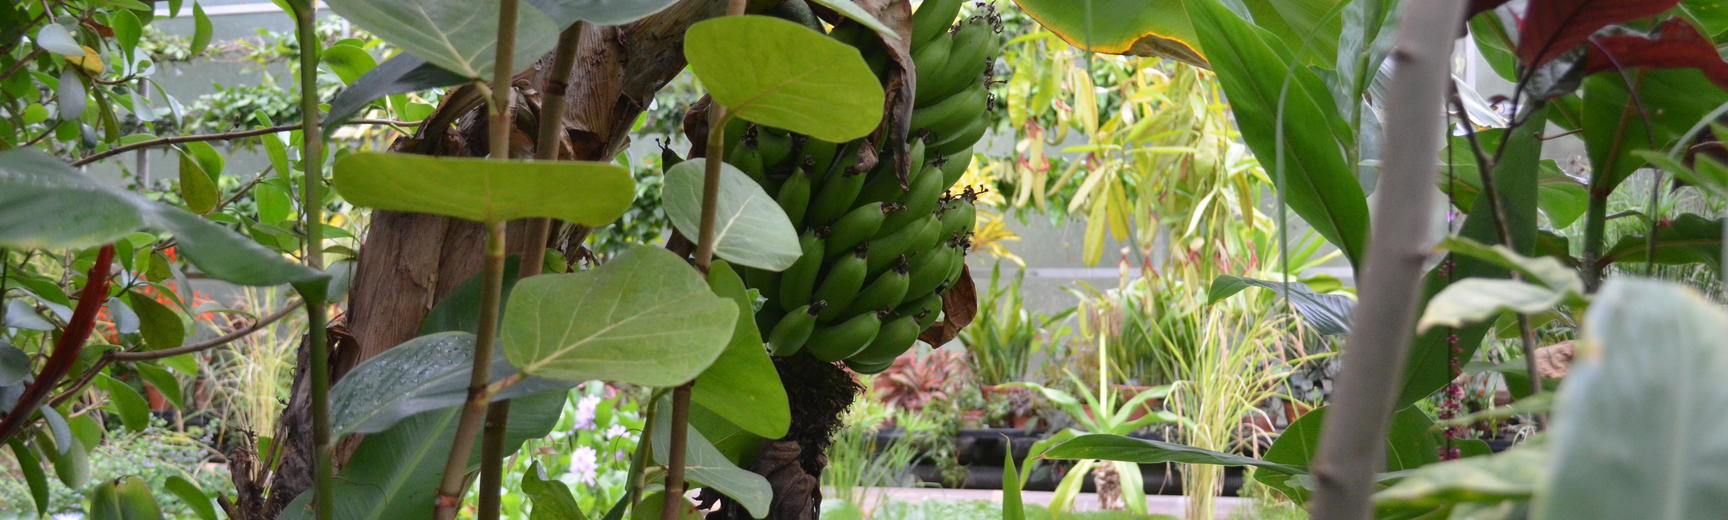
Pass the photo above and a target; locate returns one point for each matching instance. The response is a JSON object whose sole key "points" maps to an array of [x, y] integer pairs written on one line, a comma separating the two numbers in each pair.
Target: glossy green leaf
{"points": [[1614, 122], [1290, 121], [1410, 443], [163, 381], [401, 74], [14, 364], [1142, 451], [349, 62], [1515, 174], [35, 189], [457, 35], [1013, 507], [125, 401], [196, 186], [55, 38], [742, 384], [193, 496], [1511, 475], [394, 474], [72, 466], [1689, 239], [127, 29], [1639, 404], [1137, 27], [160, 326], [1476, 300], [202, 29], [1547, 271], [598, 12], [644, 318], [57, 427], [422, 374], [707, 467], [485, 190], [34, 477], [750, 228], [551, 498], [1327, 313], [782, 74]]}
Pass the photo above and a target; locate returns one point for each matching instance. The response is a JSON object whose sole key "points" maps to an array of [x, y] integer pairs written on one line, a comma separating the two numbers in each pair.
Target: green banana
{"points": [[774, 144], [892, 339], [790, 333], [797, 281], [929, 269], [869, 368], [922, 198], [975, 46], [951, 113], [834, 198], [884, 292], [959, 265], [958, 215], [842, 281], [954, 165], [964, 138], [925, 308], [762, 280], [820, 155], [884, 185], [748, 159], [841, 340], [933, 57], [794, 195], [856, 226], [918, 235], [933, 18]]}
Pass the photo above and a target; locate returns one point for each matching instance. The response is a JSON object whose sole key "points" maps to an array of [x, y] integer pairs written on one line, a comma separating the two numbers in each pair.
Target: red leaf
{"points": [[1675, 44], [1553, 27]]}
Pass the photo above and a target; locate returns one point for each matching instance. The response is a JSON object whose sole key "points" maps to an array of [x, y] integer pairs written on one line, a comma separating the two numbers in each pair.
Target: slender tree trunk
{"points": [[1351, 450]]}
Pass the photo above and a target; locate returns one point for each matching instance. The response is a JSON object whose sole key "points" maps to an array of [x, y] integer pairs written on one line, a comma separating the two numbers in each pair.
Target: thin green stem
{"points": [[533, 258], [312, 204], [474, 411]]}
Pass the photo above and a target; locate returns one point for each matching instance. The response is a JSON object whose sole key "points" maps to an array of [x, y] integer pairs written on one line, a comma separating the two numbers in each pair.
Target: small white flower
{"points": [[583, 463], [617, 431]]}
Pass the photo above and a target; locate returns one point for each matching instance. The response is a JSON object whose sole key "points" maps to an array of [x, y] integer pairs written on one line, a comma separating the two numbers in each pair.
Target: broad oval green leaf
{"points": [[126, 402], [1474, 300], [14, 364], [394, 474], [551, 498], [202, 29], [750, 227], [349, 62], [1123, 448], [55, 38], [196, 187], [193, 496], [422, 374], [457, 35], [782, 74], [706, 466], [485, 190], [644, 318], [35, 190], [1640, 403], [742, 385], [34, 477]]}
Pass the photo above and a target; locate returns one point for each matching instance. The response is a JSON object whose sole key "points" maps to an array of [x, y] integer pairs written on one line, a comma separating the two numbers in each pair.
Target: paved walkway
{"points": [[1156, 504]]}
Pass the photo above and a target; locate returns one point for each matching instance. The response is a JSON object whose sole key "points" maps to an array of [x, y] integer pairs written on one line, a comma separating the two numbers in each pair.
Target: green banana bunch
{"points": [[878, 251]]}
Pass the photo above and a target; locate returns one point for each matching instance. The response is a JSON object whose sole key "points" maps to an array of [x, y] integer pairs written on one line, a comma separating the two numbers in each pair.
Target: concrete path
{"points": [[1156, 504]]}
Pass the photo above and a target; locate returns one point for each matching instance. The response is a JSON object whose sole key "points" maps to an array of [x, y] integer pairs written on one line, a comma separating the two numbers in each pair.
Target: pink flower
{"points": [[583, 464]]}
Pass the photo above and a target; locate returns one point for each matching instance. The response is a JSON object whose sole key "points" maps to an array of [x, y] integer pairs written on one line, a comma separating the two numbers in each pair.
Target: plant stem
{"points": [[1354, 430], [546, 147], [312, 204], [222, 136], [66, 347], [491, 294]]}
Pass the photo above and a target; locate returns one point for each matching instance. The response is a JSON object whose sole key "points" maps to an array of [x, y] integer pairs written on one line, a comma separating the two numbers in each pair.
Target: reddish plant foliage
{"points": [[1553, 27], [1675, 44]]}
